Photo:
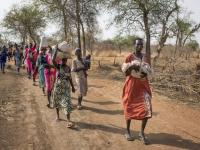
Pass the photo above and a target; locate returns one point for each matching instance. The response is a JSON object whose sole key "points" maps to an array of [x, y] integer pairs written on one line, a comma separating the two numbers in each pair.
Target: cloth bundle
{"points": [[138, 68], [64, 50]]}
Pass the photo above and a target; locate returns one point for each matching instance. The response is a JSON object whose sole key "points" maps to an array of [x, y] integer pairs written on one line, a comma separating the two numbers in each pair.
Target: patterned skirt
{"points": [[62, 95]]}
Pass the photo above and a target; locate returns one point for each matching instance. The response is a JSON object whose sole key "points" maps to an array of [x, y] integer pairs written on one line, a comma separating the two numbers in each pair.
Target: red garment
{"points": [[33, 48], [134, 102], [35, 56]]}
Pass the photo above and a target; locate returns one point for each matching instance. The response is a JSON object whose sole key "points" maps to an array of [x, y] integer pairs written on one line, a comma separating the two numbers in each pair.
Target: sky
{"points": [[189, 5]]}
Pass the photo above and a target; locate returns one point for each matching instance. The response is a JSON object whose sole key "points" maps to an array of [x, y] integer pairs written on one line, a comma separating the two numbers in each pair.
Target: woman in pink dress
{"points": [[50, 75], [28, 61]]}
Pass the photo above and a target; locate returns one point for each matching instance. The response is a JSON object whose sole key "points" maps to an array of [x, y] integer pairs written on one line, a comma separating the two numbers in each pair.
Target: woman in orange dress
{"points": [[136, 94]]}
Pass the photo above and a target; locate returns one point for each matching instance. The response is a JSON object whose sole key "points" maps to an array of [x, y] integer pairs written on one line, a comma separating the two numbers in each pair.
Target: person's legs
{"points": [[128, 124], [34, 75], [142, 134], [128, 135], [43, 90], [69, 124], [144, 123], [3, 67], [80, 98], [57, 112], [68, 117], [49, 98], [29, 74]]}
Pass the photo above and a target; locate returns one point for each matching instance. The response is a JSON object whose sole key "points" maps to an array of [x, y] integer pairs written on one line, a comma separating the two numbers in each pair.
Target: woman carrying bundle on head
{"points": [[62, 88], [40, 64], [50, 75]]}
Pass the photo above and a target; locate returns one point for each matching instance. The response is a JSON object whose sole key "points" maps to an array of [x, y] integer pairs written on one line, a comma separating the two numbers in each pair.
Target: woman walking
{"points": [[136, 92], [28, 58], [3, 58], [62, 89], [50, 76], [18, 57], [80, 69], [40, 64]]}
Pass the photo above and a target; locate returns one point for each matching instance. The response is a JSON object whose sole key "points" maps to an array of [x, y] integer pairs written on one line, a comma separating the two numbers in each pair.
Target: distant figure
{"points": [[18, 57], [136, 93], [3, 58], [80, 69], [35, 68], [28, 58], [10, 54]]}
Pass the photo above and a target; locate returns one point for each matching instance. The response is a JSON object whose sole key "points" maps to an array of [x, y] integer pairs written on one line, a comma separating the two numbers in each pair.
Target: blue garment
{"points": [[18, 58], [3, 55], [41, 62]]}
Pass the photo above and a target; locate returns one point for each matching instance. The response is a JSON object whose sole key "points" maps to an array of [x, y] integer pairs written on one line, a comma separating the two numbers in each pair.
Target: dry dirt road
{"points": [[27, 124]]}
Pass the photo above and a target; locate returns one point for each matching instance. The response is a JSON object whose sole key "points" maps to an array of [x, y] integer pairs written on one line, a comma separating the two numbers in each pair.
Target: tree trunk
{"points": [[159, 49], [78, 23], [84, 40], [64, 22], [148, 37]]}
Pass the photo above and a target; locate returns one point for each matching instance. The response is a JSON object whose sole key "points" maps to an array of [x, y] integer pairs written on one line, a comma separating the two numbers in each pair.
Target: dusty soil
{"points": [[26, 123]]}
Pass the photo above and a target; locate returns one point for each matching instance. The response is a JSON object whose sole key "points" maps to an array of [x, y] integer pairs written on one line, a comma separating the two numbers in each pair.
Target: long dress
{"points": [[3, 58], [49, 74], [41, 62], [80, 77], [18, 58], [136, 96], [62, 90], [28, 56]]}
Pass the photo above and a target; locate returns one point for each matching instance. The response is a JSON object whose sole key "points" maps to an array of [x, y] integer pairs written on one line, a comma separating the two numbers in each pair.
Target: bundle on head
{"points": [[64, 51]]}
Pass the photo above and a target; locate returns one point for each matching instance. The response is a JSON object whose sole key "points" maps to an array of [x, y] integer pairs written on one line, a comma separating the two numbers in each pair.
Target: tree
{"points": [[141, 14], [166, 21], [57, 12], [193, 45], [185, 30], [125, 41], [25, 21], [73, 14]]}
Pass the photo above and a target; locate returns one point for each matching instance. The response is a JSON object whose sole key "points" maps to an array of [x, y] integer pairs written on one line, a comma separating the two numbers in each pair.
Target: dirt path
{"points": [[26, 123]]}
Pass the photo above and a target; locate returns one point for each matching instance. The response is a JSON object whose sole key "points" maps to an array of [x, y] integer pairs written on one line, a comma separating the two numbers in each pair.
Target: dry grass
{"points": [[176, 77]]}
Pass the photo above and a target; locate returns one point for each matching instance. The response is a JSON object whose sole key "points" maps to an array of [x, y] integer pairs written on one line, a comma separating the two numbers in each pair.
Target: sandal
{"points": [[129, 137], [70, 125], [143, 139]]}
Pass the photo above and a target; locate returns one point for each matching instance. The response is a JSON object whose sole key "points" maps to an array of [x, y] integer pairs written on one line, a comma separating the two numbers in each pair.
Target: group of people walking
{"points": [[7, 54], [55, 79]]}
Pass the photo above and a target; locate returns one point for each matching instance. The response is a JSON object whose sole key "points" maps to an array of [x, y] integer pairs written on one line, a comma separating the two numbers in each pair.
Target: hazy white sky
{"points": [[190, 5]]}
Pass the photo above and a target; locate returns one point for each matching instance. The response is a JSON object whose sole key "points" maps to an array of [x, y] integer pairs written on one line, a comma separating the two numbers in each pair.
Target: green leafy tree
{"points": [[193, 45], [25, 21]]}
